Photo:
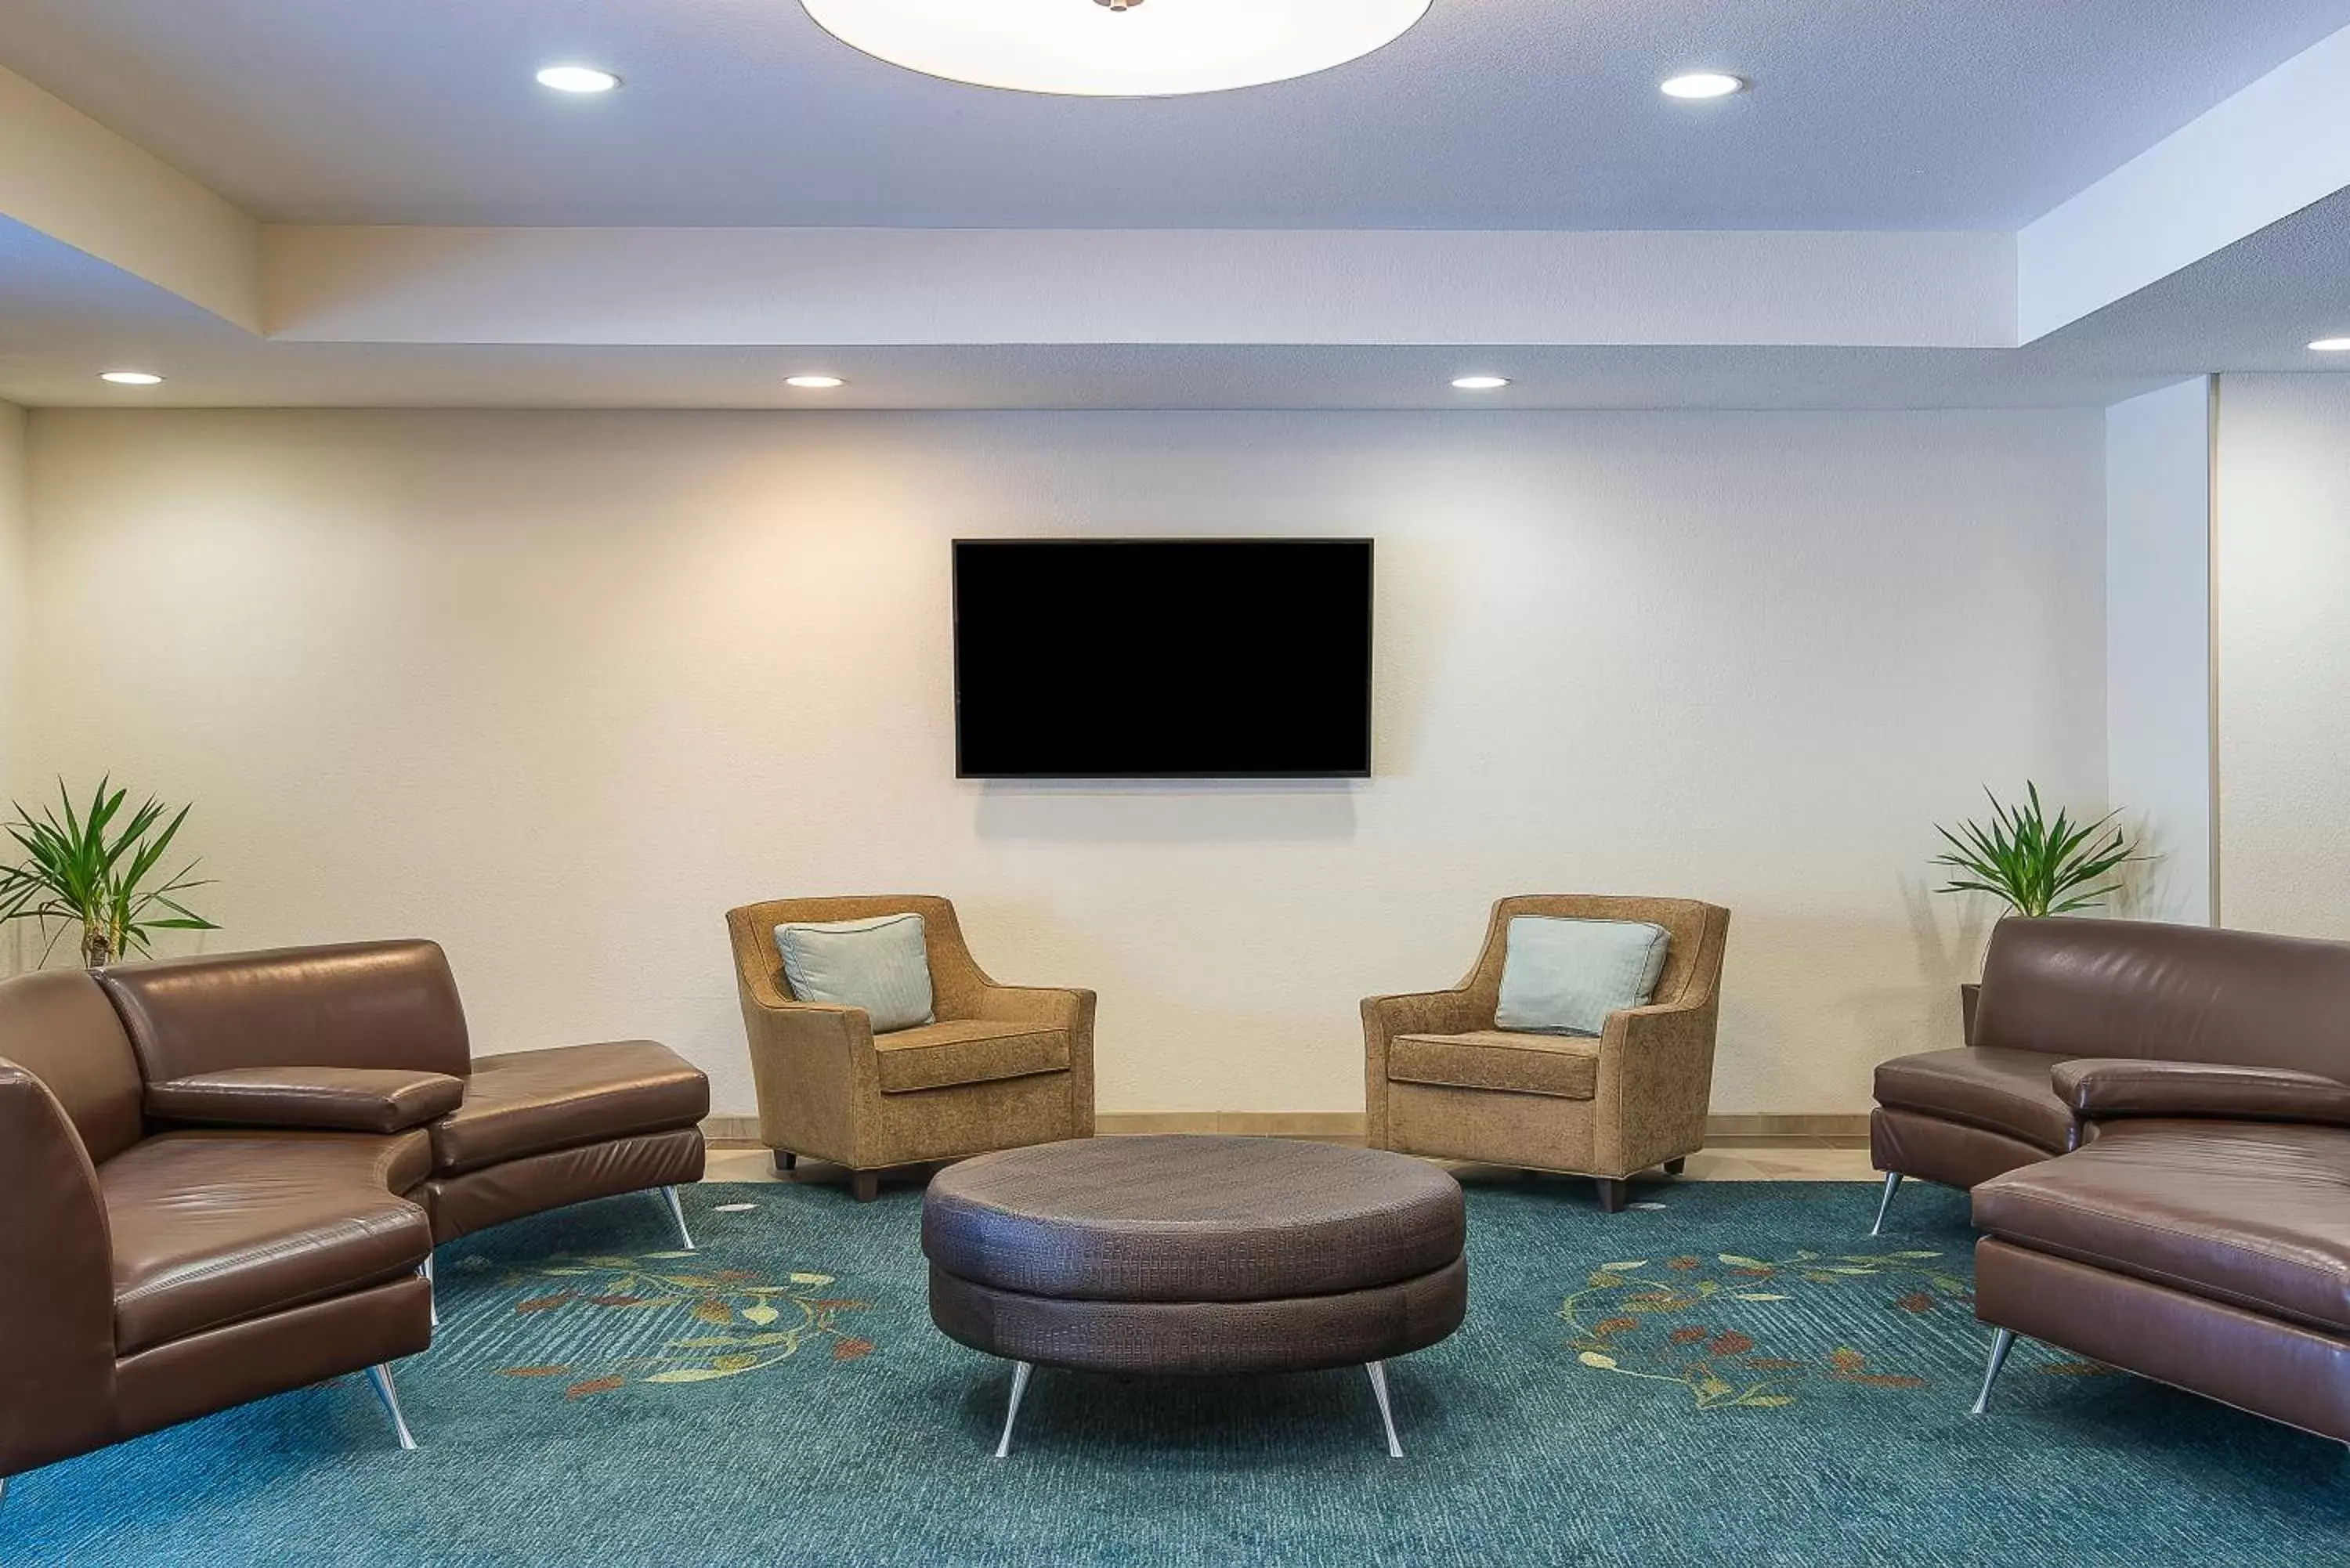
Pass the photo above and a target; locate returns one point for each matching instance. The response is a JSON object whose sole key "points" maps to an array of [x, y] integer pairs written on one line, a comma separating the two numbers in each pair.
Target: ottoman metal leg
{"points": [[1020, 1372], [1378, 1371]]}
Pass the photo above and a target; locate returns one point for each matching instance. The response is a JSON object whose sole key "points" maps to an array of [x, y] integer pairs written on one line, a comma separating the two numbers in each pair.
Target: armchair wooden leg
{"points": [[784, 1160], [865, 1185], [1675, 1167], [1613, 1191]]}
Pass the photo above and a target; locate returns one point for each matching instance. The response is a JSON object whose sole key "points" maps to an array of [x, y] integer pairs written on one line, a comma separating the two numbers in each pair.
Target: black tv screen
{"points": [[1162, 658]]}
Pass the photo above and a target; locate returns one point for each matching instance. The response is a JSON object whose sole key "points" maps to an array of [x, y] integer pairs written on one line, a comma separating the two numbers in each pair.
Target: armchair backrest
{"points": [[956, 979], [1692, 972], [359, 1004], [57, 1026], [2077, 987]]}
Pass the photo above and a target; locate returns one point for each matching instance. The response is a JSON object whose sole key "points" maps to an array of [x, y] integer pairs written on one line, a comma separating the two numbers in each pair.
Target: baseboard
{"points": [[1254, 1124], [1843, 1127]]}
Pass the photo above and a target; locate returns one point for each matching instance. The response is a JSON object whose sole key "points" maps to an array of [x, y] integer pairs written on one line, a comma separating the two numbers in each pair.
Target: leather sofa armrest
{"points": [[324, 1099], [57, 1310], [2102, 1087]]}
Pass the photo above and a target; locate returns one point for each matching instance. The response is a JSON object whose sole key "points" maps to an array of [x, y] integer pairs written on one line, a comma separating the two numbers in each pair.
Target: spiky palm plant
{"points": [[99, 870], [2035, 864]]}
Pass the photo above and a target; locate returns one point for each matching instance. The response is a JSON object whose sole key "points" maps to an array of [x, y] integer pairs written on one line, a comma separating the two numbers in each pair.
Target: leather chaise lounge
{"points": [[223, 1178], [2155, 1123]]}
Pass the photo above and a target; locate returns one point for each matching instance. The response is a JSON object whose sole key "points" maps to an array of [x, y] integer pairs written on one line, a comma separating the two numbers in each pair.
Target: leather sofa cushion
{"points": [[214, 1227], [2075, 986], [2254, 1214], [1565, 1067], [2124, 1086], [967, 1050], [2003, 1091], [57, 1026], [333, 1099], [534, 1101], [360, 1005]]}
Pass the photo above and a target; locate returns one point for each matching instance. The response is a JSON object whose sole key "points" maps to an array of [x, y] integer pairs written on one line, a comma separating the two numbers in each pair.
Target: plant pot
{"points": [[1970, 996]]}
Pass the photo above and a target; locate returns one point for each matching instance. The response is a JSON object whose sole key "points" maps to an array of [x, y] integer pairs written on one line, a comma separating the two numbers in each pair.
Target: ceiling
{"points": [[2249, 307], [1866, 114]]}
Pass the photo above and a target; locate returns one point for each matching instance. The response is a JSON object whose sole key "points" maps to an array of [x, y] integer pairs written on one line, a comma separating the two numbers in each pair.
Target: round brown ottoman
{"points": [[1195, 1256]]}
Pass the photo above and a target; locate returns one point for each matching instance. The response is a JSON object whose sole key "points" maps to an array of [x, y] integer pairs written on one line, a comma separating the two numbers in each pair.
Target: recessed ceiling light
{"points": [[2331, 346], [1479, 383], [131, 377], [1119, 48], [577, 79], [814, 383], [1703, 84]]}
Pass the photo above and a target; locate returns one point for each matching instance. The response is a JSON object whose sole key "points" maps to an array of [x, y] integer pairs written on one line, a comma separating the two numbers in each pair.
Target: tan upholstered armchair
{"points": [[1003, 1066], [1442, 1081]]}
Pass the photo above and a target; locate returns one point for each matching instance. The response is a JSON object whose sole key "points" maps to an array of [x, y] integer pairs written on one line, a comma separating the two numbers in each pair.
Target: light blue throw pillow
{"points": [[1565, 976], [878, 964]]}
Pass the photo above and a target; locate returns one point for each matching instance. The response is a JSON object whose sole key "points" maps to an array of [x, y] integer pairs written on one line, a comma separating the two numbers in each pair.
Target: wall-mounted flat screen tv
{"points": [[1123, 658]]}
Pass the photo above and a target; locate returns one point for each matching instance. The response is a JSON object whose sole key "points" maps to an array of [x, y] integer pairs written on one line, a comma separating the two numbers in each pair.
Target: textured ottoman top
{"points": [[1192, 1219]]}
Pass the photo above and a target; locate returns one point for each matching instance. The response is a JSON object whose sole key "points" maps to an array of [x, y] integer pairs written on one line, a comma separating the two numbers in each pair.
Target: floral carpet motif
{"points": [[764, 1323], [1726, 1328]]}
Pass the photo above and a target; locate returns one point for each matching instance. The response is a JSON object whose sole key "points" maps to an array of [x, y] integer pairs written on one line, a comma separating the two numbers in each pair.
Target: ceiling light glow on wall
{"points": [[1479, 383], [814, 383], [577, 79], [2331, 346], [1104, 48], [131, 377], [1703, 84]]}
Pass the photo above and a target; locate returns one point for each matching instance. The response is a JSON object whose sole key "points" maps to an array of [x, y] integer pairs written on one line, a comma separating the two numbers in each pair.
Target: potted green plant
{"points": [[100, 870], [2034, 863]]}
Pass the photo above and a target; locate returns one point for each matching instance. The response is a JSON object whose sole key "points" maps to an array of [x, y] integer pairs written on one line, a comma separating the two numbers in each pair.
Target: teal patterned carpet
{"points": [[1729, 1374]]}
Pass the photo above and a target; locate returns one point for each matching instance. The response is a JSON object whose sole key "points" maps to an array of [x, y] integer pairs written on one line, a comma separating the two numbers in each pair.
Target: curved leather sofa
{"points": [[224, 1178], [2155, 1121]]}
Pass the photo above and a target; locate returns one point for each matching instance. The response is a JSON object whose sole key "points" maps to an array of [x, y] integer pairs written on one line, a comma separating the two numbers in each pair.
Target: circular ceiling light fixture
{"points": [[1118, 48], [2331, 346], [1479, 383], [814, 383], [1702, 85], [131, 377], [577, 79]]}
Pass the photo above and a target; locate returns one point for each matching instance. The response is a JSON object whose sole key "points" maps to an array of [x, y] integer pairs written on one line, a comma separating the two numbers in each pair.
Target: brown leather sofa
{"points": [[223, 1178], [2155, 1121]]}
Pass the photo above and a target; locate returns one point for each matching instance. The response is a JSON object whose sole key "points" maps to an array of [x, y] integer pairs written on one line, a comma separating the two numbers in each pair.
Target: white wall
{"points": [[2159, 642], [16, 535], [2283, 566], [557, 688]]}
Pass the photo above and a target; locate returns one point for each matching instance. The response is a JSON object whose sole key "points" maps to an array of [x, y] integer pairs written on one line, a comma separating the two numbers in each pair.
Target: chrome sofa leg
{"points": [[1020, 1371], [425, 1269], [4, 1489], [2002, 1342], [1892, 1185], [380, 1375], [677, 1212], [1378, 1371]]}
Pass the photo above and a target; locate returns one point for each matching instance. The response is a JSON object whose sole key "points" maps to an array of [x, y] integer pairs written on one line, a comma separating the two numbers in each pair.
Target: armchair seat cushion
{"points": [[1565, 1067], [967, 1050], [532, 1102], [2001, 1090], [215, 1228]]}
